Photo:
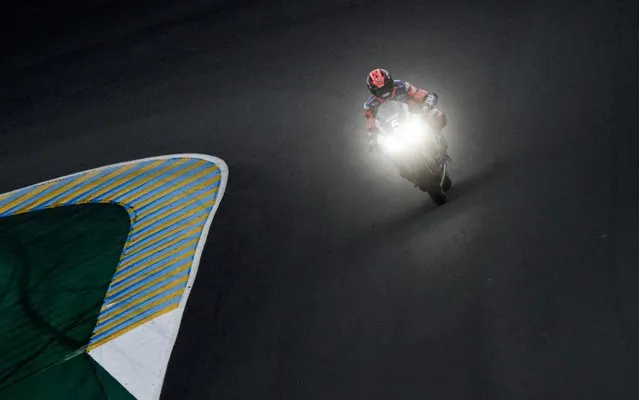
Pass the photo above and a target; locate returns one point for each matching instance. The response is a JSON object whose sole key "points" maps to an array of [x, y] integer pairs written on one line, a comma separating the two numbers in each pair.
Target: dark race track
{"points": [[326, 275]]}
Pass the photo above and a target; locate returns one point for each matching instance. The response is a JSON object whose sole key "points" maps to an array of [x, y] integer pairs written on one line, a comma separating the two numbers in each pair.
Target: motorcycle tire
{"points": [[436, 194], [435, 191], [446, 185]]}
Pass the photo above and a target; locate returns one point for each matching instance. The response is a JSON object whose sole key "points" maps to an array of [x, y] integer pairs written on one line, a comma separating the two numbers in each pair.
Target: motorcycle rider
{"points": [[384, 88]]}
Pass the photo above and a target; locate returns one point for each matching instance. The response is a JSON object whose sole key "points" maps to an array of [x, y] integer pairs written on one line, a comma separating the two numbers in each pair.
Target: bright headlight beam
{"points": [[390, 143], [409, 134]]}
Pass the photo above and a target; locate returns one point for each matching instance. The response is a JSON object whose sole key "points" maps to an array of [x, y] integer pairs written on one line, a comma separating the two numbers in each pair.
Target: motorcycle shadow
{"points": [[427, 216], [481, 180]]}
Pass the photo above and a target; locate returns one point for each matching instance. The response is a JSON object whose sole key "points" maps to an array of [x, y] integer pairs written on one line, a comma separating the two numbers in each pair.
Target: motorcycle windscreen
{"points": [[391, 115]]}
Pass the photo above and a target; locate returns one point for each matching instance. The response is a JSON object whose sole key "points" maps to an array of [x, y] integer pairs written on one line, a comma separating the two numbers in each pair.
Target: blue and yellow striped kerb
{"points": [[170, 201]]}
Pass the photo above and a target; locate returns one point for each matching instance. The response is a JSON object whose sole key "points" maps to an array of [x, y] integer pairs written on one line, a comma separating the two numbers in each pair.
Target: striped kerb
{"points": [[168, 201]]}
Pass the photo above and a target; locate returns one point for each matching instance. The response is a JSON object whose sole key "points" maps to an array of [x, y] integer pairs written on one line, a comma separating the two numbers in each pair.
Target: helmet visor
{"points": [[384, 91]]}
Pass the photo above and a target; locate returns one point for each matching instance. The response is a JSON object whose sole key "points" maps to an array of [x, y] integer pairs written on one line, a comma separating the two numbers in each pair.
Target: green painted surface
{"points": [[55, 268], [78, 378]]}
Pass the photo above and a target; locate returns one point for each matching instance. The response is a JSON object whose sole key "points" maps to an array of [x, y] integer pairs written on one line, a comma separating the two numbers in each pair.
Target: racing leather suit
{"points": [[407, 93]]}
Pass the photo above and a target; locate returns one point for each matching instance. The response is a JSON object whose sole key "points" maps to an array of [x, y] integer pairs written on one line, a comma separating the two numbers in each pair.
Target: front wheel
{"points": [[433, 187], [436, 193], [447, 183]]}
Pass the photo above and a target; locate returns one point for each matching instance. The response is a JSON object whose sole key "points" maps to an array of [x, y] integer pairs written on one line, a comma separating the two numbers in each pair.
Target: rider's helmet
{"points": [[380, 83]]}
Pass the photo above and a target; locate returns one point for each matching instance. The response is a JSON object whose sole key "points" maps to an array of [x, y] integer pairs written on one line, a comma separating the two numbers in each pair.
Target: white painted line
{"points": [[121, 356]]}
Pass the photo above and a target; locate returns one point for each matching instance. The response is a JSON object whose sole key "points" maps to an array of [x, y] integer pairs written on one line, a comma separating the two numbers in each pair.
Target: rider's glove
{"points": [[431, 100]]}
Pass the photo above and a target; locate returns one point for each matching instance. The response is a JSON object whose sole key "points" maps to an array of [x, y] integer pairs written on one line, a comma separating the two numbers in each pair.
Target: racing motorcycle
{"points": [[409, 140]]}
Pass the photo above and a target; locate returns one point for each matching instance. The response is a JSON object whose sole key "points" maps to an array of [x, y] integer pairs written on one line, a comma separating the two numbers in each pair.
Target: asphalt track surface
{"points": [[327, 276]]}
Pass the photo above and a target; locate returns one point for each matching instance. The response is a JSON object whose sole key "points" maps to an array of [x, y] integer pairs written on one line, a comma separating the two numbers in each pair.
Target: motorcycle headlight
{"points": [[410, 134], [390, 143], [413, 131]]}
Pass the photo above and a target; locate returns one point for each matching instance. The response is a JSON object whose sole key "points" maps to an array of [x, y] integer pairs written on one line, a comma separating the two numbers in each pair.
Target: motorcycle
{"points": [[410, 141]]}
